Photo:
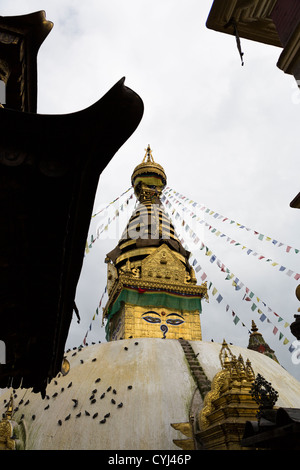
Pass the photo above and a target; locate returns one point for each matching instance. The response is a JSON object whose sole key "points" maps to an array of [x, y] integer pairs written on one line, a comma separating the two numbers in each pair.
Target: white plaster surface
{"points": [[162, 390]]}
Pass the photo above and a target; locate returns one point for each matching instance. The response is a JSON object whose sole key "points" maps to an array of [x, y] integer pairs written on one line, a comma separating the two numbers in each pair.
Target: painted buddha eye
{"points": [[174, 321], [151, 318]]}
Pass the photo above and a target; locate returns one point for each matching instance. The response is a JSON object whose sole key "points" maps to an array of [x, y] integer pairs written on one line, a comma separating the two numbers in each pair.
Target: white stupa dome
{"points": [[127, 394]]}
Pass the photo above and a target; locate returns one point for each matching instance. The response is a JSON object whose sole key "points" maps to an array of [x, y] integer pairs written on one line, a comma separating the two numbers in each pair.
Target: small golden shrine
{"points": [[7, 441], [228, 405], [152, 288]]}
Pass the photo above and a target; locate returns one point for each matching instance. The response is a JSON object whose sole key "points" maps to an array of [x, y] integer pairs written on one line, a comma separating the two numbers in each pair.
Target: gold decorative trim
{"points": [[129, 281], [184, 444], [180, 288], [148, 164], [127, 243], [220, 381], [142, 167], [184, 428], [143, 252], [65, 366]]}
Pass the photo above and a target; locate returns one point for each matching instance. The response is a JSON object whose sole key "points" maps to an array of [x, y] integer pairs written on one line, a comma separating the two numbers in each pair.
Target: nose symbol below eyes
{"points": [[164, 329]]}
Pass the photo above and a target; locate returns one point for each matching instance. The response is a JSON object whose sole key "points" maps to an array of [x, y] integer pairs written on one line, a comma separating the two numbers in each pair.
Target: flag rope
{"points": [[96, 313], [238, 285], [103, 227], [181, 199], [218, 233]]}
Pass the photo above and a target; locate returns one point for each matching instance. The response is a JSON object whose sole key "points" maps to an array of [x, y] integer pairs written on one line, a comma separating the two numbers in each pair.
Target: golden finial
{"points": [[225, 354], [148, 154]]}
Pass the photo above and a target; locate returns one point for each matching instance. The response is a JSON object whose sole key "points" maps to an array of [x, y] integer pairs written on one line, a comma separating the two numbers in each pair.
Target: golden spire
{"points": [[148, 154], [152, 287]]}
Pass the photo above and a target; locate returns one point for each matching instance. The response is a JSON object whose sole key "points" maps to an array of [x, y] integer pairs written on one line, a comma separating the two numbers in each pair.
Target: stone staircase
{"points": [[202, 382]]}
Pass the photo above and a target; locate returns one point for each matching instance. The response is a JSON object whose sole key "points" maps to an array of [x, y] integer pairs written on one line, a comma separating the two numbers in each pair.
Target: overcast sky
{"points": [[226, 135]]}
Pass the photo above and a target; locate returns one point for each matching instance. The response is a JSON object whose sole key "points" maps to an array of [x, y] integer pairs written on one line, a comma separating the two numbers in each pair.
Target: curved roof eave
{"points": [[50, 167]]}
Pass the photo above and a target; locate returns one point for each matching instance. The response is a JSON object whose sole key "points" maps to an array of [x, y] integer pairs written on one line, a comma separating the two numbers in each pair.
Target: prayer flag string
{"points": [[103, 227], [236, 282], [249, 296], [95, 315], [112, 202], [181, 199], [220, 234]]}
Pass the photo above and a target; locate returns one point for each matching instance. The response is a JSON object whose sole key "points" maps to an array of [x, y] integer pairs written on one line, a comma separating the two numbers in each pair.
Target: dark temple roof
{"points": [[277, 429], [20, 40], [49, 171]]}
